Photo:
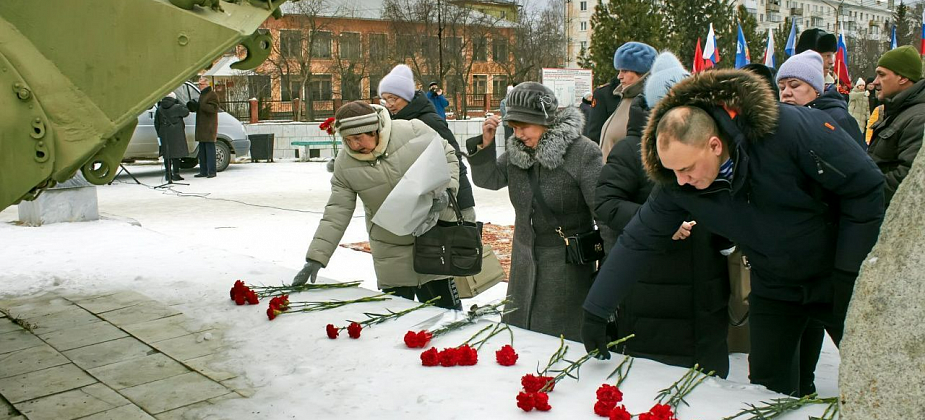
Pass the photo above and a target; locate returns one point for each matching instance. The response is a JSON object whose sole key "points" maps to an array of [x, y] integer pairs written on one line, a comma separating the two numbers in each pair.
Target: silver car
{"points": [[232, 139]]}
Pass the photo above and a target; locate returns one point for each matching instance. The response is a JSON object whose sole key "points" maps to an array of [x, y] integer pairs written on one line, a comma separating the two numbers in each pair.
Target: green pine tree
{"points": [[618, 22], [689, 20]]}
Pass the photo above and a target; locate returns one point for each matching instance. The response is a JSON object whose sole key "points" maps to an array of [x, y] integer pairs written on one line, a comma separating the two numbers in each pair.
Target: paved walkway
{"points": [[118, 356]]}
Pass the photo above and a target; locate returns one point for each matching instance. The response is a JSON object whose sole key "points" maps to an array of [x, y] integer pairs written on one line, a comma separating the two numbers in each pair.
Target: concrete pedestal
{"points": [[71, 201]]}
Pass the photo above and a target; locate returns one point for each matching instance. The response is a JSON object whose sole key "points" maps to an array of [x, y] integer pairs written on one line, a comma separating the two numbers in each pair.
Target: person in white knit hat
{"points": [[859, 104], [396, 89]]}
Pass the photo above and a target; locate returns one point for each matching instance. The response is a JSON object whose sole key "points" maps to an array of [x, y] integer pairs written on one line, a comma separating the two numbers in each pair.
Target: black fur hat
{"points": [[817, 40]]}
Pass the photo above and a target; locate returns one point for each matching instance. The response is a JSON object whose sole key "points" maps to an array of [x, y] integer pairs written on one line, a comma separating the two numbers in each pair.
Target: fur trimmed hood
{"points": [[744, 94], [550, 152]]}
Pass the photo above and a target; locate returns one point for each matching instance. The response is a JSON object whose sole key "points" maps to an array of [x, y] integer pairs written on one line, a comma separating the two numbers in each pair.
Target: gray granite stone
{"points": [[126, 412], [43, 382], [197, 410], [30, 360], [84, 335], [18, 340], [112, 302], [164, 328], [36, 306], [73, 316], [147, 311], [882, 371], [7, 325], [109, 352], [177, 391], [7, 411], [214, 366], [77, 403], [138, 371], [191, 346]]}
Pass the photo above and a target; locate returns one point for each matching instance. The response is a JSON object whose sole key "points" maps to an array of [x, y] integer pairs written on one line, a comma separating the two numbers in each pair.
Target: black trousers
{"points": [[171, 166], [445, 289], [810, 348], [776, 329]]}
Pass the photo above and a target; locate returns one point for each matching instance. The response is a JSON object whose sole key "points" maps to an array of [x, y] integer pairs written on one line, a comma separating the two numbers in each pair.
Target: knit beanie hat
{"points": [[634, 56], [532, 103], [666, 71], [860, 81], [904, 61], [356, 117], [805, 66], [399, 82]]}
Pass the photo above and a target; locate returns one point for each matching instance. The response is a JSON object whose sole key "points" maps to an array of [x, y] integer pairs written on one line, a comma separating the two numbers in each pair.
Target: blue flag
{"points": [[792, 40], [893, 39], [742, 55]]}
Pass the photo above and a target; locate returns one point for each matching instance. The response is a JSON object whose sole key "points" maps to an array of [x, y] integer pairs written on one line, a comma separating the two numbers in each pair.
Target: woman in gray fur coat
{"points": [[547, 144]]}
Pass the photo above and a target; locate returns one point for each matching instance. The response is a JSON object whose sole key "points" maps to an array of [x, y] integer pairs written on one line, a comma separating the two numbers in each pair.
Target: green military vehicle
{"points": [[77, 74]]}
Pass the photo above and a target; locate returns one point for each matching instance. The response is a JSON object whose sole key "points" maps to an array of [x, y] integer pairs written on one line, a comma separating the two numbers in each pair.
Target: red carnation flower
{"points": [[531, 383], [609, 393], [620, 413], [449, 357], [603, 408], [251, 297], [411, 339], [658, 412], [417, 339], [272, 313], [430, 357], [332, 331], [353, 330], [525, 401], [541, 401], [240, 299], [506, 356], [468, 356], [548, 381]]}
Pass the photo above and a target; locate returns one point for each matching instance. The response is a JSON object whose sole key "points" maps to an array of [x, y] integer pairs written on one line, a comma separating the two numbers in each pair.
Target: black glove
{"points": [[310, 270], [594, 335], [843, 287]]}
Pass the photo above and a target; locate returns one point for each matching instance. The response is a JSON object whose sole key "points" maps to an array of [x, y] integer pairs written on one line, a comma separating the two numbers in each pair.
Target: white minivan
{"points": [[231, 139]]}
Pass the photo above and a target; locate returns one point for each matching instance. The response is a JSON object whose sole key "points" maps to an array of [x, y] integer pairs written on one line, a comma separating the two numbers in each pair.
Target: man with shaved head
{"points": [[784, 183]]}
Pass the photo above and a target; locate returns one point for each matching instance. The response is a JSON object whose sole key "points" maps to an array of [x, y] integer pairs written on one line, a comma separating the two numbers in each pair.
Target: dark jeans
{"points": [[207, 158], [776, 329], [444, 288], [810, 347]]}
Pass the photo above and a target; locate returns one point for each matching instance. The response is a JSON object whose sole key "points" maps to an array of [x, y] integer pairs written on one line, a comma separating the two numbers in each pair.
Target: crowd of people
{"points": [[677, 173]]}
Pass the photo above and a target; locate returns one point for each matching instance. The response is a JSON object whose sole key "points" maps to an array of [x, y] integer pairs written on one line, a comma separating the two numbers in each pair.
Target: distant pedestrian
{"points": [[206, 109], [858, 103], [585, 108], [171, 129], [897, 136], [435, 94]]}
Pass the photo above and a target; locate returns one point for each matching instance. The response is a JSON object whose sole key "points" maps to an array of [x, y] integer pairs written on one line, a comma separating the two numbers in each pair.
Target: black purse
{"points": [[450, 248], [580, 249]]}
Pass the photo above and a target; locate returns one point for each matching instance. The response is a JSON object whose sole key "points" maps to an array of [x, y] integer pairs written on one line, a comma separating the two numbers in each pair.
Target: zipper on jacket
{"points": [[820, 162]]}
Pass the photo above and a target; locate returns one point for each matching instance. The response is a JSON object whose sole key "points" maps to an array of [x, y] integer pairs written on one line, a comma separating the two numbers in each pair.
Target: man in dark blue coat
{"points": [[784, 183]]}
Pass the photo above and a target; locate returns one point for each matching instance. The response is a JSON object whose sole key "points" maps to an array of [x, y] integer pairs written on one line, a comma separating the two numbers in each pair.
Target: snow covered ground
{"points": [[188, 244]]}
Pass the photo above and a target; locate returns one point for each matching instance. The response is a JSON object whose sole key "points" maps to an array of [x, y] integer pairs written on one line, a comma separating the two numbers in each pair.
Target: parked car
{"points": [[231, 139]]}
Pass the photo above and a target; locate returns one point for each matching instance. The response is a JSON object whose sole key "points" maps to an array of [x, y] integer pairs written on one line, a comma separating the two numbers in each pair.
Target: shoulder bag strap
{"points": [[535, 186], [455, 205]]}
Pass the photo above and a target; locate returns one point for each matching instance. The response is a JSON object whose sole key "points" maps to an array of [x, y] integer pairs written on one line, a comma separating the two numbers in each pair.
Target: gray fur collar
{"points": [[550, 152]]}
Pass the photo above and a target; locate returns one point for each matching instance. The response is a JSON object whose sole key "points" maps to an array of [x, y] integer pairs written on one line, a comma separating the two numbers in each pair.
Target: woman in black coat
{"points": [[678, 312], [171, 129]]}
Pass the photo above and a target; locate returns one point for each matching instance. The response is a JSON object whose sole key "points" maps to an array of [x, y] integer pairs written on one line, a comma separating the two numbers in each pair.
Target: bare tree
{"points": [[538, 41], [298, 50]]}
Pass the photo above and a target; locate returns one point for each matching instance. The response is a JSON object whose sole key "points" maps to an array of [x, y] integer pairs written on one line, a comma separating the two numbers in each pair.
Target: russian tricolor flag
{"points": [[922, 47], [769, 51], [710, 52]]}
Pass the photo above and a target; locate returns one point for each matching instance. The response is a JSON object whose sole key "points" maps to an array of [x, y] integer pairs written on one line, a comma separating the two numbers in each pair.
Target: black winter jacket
{"points": [[897, 136], [603, 103], [421, 108], [793, 167], [678, 309], [833, 103]]}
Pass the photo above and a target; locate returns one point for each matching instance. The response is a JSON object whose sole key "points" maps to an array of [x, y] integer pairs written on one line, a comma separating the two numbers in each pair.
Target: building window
{"points": [[499, 50], [762, 18], [480, 84], [290, 87], [258, 86], [321, 45], [499, 85], [374, 80], [584, 45], [349, 46], [290, 43], [504, 14], [349, 88], [480, 49], [584, 6], [321, 87], [584, 25], [378, 49]]}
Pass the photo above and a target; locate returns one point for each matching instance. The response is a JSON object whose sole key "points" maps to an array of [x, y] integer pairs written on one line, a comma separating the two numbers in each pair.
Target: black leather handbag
{"points": [[450, 248], [580, 249]]}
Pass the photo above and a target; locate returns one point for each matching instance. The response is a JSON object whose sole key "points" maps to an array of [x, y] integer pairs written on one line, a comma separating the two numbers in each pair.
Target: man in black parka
{"points": [[603, 103], [784, 183]]}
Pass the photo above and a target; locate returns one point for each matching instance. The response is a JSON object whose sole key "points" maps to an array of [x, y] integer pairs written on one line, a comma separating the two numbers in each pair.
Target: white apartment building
{"points": [[855, 18]]}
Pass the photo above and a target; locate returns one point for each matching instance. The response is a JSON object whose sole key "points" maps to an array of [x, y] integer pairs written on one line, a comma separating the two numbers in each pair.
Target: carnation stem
{"points": [[269, 291], [471, 317], [375, 318], [323, 306], [780, 406], [622, 370], [576, 365], [674, 394]]}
